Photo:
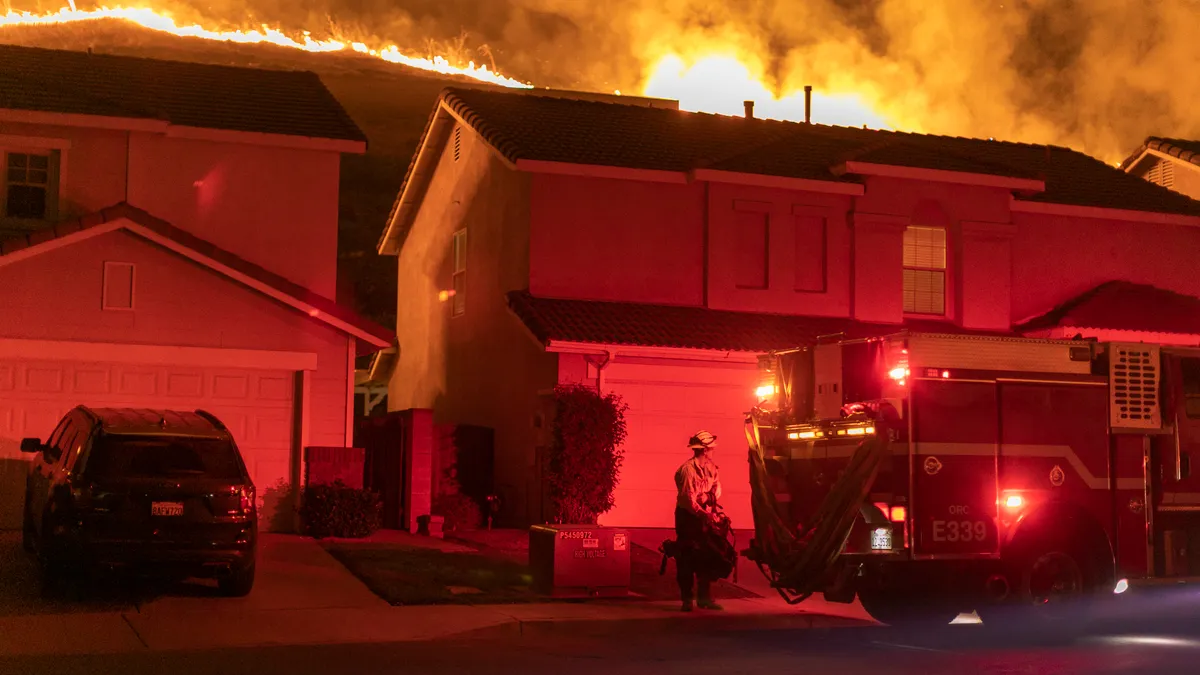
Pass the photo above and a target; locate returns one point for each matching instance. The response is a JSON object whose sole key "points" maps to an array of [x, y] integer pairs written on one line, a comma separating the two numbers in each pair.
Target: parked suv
{"points": [[155, 491]]}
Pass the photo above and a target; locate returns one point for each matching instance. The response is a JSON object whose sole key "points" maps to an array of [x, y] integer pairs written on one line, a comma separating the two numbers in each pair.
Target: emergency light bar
{"points": [[812, 434]]}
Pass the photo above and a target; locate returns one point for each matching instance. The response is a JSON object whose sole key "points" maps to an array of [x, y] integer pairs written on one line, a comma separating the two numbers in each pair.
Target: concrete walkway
{"points": [[305, 597]]}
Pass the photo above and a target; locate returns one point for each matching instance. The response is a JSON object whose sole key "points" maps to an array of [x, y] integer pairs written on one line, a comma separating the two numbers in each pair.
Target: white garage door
{"points": [[667, 404], [256, 405]]}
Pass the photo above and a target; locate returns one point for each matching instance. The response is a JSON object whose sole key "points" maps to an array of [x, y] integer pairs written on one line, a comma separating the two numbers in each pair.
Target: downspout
{"points": [[601, 365]]}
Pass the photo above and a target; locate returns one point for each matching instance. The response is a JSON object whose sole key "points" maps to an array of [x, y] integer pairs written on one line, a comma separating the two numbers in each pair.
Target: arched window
{"points": [[925, 270]]}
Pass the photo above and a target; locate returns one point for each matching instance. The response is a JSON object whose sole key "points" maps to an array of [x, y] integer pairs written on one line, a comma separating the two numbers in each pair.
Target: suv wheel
{"points": [[239, 582]]}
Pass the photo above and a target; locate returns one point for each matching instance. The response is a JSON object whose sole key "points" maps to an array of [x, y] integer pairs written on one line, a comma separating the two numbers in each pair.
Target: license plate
{"points": [[166, 508], [881, 539]]}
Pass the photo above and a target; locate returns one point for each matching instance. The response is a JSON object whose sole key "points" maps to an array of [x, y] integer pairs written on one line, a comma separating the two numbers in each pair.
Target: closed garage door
{"points": [[256, 405], [667, 404]]}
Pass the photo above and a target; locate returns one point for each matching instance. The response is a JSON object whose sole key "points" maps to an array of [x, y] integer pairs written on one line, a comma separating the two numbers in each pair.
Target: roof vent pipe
{"points": [[808, 104], [749, 109]]}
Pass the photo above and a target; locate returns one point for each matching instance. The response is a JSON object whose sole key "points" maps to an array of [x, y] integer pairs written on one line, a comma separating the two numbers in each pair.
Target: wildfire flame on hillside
{"points": [[690, 84], [162, 22]]}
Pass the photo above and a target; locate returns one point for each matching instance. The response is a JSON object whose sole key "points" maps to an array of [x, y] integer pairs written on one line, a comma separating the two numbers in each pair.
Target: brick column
{"points": [[419, 448]]}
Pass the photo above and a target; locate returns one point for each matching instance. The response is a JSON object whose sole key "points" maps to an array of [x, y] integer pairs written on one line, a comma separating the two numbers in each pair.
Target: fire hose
{"points": [[797, 560]]}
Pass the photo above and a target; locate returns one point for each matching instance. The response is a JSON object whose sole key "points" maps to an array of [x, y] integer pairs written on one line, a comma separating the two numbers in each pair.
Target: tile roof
{"points": [[318, 303], [522, 125], [1188, 151], [632, 324], [292, 103], [1121, 305]]}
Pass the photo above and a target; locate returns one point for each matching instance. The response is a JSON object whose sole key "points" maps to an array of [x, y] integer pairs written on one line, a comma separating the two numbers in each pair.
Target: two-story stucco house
{"points": [[168, 239], [652, 252], [1170, 162]]}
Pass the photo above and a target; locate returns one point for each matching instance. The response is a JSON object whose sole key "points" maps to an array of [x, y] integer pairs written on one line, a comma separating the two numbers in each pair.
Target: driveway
{"points": [[293, 573]]}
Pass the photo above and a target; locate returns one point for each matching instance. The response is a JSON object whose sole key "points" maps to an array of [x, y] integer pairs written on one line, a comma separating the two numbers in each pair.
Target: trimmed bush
{"points": [[459, 512], [336, 510], [586, 456]]}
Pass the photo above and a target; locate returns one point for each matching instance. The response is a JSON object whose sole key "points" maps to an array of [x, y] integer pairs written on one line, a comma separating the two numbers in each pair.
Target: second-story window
{"points": [[459, 278], [925, 270], [29, 185]]}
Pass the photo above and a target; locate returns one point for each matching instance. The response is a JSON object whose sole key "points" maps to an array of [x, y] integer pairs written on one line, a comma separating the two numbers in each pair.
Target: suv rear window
{"points": [[116, 456]]}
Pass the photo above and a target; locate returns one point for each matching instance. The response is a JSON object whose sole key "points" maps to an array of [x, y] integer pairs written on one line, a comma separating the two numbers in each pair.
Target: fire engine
{"points": [[934, 474]]}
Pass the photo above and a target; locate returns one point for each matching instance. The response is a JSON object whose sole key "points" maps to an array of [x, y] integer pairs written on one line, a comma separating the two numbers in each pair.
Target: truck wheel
{"points": [[1054, 583], [906, 609]]}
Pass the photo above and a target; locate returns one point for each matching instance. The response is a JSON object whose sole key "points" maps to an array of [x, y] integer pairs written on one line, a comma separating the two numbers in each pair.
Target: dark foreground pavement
{"points": [[1168, 644]]}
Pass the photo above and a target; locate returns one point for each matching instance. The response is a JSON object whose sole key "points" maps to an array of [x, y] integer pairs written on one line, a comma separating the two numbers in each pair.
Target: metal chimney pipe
{"points": [[749, 109], [808, 104]]}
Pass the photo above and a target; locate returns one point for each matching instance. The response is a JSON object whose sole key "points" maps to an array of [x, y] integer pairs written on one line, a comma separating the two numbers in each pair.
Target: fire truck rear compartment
{"points": [[1016, 468]]}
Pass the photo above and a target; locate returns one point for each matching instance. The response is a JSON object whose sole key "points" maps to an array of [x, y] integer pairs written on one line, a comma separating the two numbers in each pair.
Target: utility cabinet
{"points": [[580, 561]]}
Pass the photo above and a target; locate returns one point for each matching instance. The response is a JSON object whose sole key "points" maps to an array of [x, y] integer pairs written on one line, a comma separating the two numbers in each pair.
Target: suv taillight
{"points": [[246, 500]]}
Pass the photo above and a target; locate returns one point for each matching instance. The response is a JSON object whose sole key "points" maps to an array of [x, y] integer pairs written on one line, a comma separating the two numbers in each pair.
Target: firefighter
{"points": [[699, 485]]}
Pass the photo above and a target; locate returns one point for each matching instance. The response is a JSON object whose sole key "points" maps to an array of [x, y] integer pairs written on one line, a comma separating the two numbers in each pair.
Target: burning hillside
{"points": [[1096, 75]]}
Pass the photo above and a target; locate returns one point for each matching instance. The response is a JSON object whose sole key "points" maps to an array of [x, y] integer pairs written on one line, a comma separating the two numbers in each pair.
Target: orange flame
{"points": [[721, 84], [162, 22], [714, 83]]}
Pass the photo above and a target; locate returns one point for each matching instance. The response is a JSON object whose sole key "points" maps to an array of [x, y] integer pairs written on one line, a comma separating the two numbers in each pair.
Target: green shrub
{"points": [[336, 510], [586, 456]]}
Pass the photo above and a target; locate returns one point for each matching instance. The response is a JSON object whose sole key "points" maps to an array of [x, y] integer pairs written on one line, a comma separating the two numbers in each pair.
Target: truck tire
{"points": [[1053, 582], [903, 609]]}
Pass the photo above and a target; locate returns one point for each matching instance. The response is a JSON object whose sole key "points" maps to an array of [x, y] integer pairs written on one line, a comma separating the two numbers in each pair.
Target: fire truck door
{"points": [[1175, 479], [954, 475]]}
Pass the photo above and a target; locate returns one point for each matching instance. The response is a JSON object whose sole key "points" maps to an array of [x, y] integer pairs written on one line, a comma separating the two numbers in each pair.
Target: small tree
{"points": [[586, 455]]}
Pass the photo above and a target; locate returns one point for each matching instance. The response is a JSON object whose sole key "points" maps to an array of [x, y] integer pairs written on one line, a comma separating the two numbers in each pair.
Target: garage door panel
{"points": [[257, 406], [43, 380], [274, 389], [665, 408], [91, 381], [137, 382], [184, 385]]}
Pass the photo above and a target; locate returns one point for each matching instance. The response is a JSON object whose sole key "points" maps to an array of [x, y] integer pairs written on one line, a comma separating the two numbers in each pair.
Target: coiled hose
{"points": [[797, 561]]}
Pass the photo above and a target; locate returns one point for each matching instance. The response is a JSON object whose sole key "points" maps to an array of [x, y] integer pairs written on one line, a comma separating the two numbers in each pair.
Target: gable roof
{"points": [[1183, 150], [523, 127], [644, 325], [288, 103], [1124, 306], [124, 216]]}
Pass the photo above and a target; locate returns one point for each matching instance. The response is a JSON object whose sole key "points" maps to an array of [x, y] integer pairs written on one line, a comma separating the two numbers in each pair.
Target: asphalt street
{"points": [[1154, 634]]}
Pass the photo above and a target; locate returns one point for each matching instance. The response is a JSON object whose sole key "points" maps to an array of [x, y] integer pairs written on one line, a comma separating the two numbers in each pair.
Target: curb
{"points": [[694, 624]]}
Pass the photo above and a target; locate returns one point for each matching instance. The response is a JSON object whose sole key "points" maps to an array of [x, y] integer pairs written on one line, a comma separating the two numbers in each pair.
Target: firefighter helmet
{"points": [[702, 440]]}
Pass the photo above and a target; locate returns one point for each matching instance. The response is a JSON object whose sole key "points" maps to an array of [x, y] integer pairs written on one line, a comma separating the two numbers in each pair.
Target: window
{"points": [[117, 291], [30, 185], [753, 250], [925, 270], [459, 278]]}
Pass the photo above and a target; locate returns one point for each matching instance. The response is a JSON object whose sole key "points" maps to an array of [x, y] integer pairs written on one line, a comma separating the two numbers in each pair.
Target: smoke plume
{"points": [[1096, 75]]}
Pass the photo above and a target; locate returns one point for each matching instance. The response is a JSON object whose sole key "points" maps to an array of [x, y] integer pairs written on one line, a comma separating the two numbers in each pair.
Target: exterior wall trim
{"points": [[65, 350], [677, 353], [786, 183], [178, 131], [598, 171], [1118, 335], [1162, 155], [940, 176], [1043, 208]]}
